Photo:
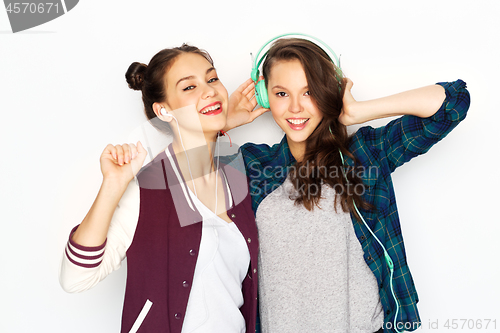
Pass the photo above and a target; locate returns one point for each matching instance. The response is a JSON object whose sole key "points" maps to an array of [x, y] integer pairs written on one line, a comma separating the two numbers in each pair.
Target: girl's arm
{"points": [[412, 134], [119, 166], [422, 102], [98, 245]]}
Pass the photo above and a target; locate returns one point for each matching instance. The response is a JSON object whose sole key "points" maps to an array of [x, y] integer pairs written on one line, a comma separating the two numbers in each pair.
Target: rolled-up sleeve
{"points": [[409, 136], [82, 267]]}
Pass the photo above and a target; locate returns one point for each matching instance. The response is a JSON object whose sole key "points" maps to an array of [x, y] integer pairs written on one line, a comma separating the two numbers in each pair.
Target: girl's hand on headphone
{"points": [[122, 162], [241, 106], [348, 115]]}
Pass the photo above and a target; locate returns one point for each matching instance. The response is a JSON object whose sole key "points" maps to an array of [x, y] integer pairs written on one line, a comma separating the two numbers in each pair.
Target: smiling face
{"points": [[195, 94], [291, 104]]}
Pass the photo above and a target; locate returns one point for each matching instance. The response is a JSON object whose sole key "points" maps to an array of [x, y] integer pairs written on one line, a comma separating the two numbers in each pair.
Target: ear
{"points": [[157, 107]]}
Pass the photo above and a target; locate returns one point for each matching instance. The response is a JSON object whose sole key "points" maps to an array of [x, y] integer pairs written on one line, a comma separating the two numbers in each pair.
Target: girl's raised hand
{"points": [[122, 162], [241, 106], [347, 116]]}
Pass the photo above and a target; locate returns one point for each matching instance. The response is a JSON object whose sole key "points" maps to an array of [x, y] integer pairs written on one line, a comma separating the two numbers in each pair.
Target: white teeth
{"points": [[212, 108], [297, 121]]}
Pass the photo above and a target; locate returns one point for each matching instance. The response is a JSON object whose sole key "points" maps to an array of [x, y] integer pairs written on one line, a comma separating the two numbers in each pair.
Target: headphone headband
{"points": [[258, 61]]}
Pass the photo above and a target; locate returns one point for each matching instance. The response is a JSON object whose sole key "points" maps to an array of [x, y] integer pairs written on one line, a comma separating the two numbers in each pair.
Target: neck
{"points": [[199, 148], [297, 149]]}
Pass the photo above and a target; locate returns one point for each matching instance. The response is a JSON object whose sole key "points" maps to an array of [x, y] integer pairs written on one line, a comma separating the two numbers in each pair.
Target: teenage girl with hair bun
{"points": [[182, 275]]}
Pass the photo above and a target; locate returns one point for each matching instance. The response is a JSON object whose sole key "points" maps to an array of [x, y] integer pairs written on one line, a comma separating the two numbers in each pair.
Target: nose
{"points": [[295, 106], [209, 92]]}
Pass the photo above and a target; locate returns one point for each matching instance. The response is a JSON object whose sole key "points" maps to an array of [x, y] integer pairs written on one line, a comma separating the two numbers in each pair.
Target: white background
{"points": [[63, 97]]}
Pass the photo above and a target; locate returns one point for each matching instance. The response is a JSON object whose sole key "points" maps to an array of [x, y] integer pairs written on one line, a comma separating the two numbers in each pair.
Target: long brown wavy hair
{"points": [[321, 163]]}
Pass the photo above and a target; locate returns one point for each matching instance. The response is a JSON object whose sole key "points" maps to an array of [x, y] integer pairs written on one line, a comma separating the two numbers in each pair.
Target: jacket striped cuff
{"points": [[84, 256]]}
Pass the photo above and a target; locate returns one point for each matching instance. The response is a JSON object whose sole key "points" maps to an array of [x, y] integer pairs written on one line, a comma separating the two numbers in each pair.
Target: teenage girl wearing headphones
{"points": [[332, 256], [182, 275]]}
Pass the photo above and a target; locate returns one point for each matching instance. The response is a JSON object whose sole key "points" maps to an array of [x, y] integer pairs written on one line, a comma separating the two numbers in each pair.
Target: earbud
{"points": [[164, 113]]}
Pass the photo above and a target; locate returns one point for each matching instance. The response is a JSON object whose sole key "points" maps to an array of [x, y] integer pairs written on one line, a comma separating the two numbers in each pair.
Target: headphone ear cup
{"points": [[255, 74], [261, 94]]}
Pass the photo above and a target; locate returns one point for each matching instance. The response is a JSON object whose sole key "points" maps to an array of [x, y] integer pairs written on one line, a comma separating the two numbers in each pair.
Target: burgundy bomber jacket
{"points": [[162, 257]]}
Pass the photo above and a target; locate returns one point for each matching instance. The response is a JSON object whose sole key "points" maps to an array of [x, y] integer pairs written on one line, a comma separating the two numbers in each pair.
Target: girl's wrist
{"points": [[351, 113], [116, 183]]}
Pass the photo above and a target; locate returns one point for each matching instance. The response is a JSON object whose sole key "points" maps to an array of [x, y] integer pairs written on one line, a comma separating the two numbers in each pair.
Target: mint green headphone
{"points": [[260, 86]]}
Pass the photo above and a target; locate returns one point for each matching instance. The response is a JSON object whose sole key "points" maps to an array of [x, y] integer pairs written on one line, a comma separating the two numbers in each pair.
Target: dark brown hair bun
{"points": [[135, 75]]}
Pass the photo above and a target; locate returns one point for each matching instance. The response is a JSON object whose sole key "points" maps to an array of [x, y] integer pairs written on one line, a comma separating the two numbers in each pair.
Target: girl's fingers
{"points": [[126, 153], [119, 154], [122, 154], [110, 149], [140, 148], [244, 85], [140, 157], [250, 94], [253, 102], [348, 83], [249, 88], [133, 151], [257, 113]]}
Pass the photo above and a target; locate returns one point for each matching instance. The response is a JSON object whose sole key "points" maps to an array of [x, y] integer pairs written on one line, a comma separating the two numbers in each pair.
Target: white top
{"points": [[222, 264]]}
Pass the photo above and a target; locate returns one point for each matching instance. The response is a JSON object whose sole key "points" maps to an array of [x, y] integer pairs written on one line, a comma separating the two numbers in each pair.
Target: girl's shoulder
{"points": [[264, 154]]}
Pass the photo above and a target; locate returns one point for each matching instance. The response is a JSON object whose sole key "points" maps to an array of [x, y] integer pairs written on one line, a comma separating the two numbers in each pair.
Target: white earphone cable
{"points": [[387, 257], [187, 157], [217, 172], [189, 165]]}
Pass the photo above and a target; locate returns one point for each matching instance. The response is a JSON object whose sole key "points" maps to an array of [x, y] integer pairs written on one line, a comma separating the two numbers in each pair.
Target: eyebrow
{"points": [[192, 76], [281, 87]]}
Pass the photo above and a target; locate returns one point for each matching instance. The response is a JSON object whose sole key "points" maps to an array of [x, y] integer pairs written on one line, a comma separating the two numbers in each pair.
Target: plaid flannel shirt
{"points": [[384, 148]]}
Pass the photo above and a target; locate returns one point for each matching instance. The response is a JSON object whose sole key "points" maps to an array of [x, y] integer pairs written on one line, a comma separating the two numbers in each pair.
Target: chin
{"points": [[298, 137], [214, 127]]}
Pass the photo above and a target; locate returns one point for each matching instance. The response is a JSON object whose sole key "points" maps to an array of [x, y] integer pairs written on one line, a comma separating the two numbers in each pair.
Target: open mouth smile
{"points": [[212, 109], [297, 123]]}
